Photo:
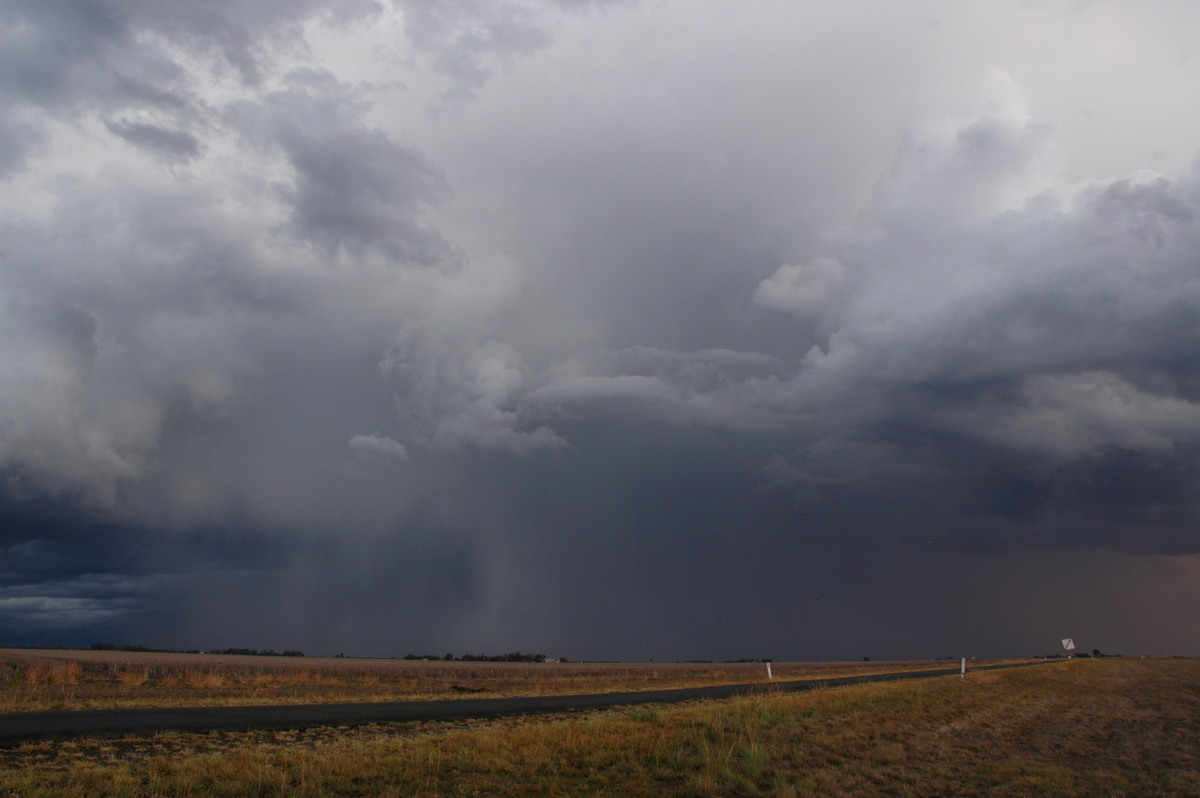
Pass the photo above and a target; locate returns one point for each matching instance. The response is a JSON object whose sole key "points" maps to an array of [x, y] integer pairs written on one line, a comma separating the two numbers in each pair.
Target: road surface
{"points": [[16, 728]]}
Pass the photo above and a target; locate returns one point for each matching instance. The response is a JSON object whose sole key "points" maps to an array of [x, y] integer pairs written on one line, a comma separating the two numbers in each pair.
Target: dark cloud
{"points": [[54, 50], [1009, 336], [353, 188], [599, 329], [17, 142], [463, 40], [62, 574], [170, 145], [65, 59]]}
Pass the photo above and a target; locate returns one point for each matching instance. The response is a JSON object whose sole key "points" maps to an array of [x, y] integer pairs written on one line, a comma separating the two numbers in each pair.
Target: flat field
{"points": [[1083, 727], [32, 681]]}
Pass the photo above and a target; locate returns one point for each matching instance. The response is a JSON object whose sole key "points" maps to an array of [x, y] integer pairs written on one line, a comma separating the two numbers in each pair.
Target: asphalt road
{"points": [[20, 727]]}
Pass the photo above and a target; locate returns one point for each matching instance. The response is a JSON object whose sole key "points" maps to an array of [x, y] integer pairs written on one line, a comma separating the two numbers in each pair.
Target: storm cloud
{"points": [[605, 329]]}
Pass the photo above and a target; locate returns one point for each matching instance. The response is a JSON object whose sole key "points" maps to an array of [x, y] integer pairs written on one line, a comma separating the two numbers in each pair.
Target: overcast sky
{"points": [[674, 329]]}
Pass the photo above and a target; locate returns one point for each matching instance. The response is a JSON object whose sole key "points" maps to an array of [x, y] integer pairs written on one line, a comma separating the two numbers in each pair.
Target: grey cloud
{"points": [[574, 368], [70, 58], [74, 604], [467, 41], [46, 613], [110, 340], [171, 145], [238, 32], [372, 453], [833, 463], [354, 189], [48, 438], [967, 170], [188, 285], [64, 574], [1049, 327], [18, 140], [708, 388], [983, 302], [805, 291], [472, 397], [1070, 279], [379, 446], [1072, 415], [55, 49], [52, 55]]}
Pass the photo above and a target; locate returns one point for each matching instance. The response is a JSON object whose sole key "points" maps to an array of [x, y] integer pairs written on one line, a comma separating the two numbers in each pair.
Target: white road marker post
{"points": [[769, 676], [963, 675]]}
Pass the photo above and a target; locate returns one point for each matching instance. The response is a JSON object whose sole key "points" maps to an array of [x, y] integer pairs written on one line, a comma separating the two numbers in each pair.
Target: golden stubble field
{"points": [[32, 680], [1083, 727]]}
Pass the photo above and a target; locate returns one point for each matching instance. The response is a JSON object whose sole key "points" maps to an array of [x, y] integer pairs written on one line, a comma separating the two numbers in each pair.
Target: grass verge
{"points": [[1108, 727], [71, 680]]}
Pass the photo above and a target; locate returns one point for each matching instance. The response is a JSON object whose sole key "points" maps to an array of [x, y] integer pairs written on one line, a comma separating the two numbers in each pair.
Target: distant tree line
{"points": [[270, 652], [137, 647], [254, 652], [512, 656]]}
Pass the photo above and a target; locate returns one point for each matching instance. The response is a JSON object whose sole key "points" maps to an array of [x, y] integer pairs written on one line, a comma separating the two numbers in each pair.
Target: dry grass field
{"points": [[1103, 727], [31, 681]]}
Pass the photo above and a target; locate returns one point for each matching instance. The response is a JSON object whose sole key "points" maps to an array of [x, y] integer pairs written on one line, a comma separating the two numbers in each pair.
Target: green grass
{"points": [[1108, 727]]}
